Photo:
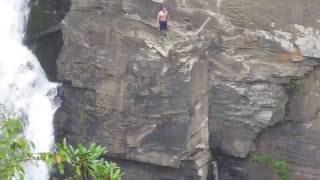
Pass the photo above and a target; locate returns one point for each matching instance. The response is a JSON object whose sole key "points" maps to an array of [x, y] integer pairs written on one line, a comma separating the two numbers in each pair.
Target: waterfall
{"points": [[24, 88]]}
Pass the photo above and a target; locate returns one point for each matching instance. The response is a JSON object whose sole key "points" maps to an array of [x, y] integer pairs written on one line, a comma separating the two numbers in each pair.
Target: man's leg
{"points": [[161, 28], [165, 29]]}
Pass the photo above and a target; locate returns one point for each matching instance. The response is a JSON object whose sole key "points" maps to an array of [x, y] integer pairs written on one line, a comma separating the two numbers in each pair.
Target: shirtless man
{"points": [[162, 19]]}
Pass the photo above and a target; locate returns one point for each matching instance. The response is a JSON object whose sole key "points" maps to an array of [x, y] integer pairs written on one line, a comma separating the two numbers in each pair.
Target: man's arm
{"points": [[158, 18]]}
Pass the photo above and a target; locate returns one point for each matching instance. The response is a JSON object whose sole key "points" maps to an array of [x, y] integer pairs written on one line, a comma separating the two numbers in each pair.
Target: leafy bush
{"points": [[14, 149], [84, 163]]}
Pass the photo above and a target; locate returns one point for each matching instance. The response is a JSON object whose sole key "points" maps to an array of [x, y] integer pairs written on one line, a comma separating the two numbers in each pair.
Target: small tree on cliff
{"points": [[83, 163]]}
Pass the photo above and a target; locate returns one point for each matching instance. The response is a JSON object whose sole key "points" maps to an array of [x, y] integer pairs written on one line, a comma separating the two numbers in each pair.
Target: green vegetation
{"points": [[82, 163], [85, 163], [297, 85], [14, 149], [280, 167]]}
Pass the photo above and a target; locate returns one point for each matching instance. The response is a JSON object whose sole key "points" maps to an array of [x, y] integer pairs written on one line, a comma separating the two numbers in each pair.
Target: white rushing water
{"points": [[24, 87]]}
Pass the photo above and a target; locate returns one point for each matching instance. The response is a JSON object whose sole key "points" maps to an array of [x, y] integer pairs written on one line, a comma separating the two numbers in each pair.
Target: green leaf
{"points": [[61, 168], [78, 171], [15, 150]]}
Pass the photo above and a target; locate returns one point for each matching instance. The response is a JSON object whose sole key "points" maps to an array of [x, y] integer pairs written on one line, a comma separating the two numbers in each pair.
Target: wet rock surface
{"points": [[246, 81], [44, 35]]}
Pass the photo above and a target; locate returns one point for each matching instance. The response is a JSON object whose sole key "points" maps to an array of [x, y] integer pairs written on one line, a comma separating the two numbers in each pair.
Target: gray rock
{"points": [[149, 100], [297, 140], [228, 76]]}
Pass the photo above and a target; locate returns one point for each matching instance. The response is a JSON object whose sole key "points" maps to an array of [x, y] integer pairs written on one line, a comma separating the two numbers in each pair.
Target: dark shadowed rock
{"points": [[44, 34]]}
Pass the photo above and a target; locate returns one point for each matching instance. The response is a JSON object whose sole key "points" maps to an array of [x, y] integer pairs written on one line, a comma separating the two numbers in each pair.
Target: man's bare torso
{"points": [[163, 15]]}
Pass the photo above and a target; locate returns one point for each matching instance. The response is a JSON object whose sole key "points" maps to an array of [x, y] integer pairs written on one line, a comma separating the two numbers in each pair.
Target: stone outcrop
{"points": [[143, 98], [233, 77]]}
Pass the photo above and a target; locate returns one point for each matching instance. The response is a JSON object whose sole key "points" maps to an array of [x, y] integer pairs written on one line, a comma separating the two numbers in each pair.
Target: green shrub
{"points": [[296, 85], [280, 167], [14, 149], [84, 163]]}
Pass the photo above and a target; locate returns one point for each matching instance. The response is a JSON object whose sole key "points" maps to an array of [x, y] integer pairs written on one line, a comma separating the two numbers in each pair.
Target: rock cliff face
{"points": [[233, 77]]}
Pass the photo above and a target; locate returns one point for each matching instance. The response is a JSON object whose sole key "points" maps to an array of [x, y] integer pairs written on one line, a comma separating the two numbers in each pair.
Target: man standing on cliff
{"points": [[162, 19]]}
